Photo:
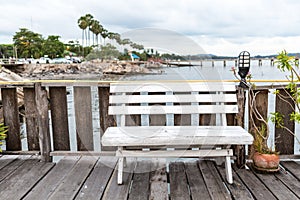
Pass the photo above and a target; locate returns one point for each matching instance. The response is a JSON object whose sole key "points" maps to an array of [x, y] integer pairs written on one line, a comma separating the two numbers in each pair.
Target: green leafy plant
{"points": [[3, 130]]}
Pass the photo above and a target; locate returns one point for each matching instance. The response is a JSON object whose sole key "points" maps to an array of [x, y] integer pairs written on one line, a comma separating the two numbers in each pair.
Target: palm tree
{"points": [[104, 34], [89, 20], [82, 23], [96, 29]]}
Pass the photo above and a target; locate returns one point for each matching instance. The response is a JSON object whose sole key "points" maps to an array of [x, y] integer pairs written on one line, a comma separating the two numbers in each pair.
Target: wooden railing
{"points": [[48, 127]]}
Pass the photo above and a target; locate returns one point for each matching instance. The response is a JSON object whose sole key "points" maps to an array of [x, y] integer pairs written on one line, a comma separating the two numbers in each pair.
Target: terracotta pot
{"points": [[266, 161]]}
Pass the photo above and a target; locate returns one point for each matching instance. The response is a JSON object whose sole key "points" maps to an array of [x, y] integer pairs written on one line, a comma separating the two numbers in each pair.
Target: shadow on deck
{"points": [[25, 177]]}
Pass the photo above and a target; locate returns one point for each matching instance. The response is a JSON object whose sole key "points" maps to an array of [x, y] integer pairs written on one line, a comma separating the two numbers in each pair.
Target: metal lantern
{"points": [[244, 67]]}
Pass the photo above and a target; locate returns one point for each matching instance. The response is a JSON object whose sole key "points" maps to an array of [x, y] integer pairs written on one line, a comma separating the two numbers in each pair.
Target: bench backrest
{"points": [[189, 99]]}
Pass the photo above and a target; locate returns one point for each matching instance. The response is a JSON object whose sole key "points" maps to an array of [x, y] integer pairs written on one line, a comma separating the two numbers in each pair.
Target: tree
{"points": [[107, 52], [89, 19], [53, 47], [82, 23], [28, 44]]}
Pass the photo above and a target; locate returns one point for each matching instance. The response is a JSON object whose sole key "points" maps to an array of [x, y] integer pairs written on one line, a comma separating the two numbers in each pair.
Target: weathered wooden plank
{"points": [[290, 181], [21, 181], [276, 186], [158, 180], [32, 128], [84, 121], [105, 119], [70, 186], [6, 159], [53, 179], [41, 99], [12, 166], [213, 181], [254, 185], [140, 181], [59, 118], [261, 103], [178, 181], [237, 189], [11, 118], [196, 182], [94, 186], [120, 192], [292, 167], [284, 141]]}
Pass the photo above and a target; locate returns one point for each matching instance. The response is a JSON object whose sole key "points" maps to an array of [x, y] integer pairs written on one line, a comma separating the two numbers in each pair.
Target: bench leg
{"points": [[228, 170], [120, 170]]}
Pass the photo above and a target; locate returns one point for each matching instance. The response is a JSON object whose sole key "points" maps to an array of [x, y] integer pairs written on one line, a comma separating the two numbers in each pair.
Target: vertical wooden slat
{"points": [[239, 150], [284, 141], [41, 99], [83, 118], [11, 118], [59, 117], [105, 119], [32, 127], [261, 102]]}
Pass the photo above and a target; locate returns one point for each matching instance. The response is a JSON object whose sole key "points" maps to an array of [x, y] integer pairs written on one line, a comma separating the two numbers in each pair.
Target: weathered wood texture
{"points": [[31, 119], [89, 178], [83, 114], [41, 98], [284, 141], [11, 118], [105, 119], [59, 118]]}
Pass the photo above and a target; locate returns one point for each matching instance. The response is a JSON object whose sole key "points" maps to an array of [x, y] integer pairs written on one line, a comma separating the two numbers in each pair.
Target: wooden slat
{"points": [[70, 186], [178, 181], [94, 186], [284, 141], [120, 192], [83, 114], [19, 183], [292, 167], [254, 185], [158, 180], [290, 181], [105, 119], [184, 109], [59, 118], [237, 189], [41, 99], [175, 135], [32, 129], [53, 179], [277, 187], [213, 181], [12, 166], [176, 98], [140, 188], [11, 118], [6, 159], [196, 182], [165, 87]]}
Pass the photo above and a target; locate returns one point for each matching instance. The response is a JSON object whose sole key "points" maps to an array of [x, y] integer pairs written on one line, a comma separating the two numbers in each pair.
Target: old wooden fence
{"points": [[45, 103]]}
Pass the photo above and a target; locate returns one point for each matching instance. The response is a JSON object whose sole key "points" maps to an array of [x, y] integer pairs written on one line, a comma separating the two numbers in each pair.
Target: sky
{"points": [[219, 27]]}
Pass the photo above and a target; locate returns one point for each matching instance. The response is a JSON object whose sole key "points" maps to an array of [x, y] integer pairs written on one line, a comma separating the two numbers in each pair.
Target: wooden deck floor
{"points": [[25, 177]]}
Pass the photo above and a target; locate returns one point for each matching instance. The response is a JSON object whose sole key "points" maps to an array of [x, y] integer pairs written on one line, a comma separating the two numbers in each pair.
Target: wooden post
{"points": [[105, 119], [11, 118], [31, 115], [239, 150], [284, 141], [59, 117], [41, 99]]}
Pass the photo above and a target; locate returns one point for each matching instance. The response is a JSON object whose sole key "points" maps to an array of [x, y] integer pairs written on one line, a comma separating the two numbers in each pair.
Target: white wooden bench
{"points": [[187, 99]]}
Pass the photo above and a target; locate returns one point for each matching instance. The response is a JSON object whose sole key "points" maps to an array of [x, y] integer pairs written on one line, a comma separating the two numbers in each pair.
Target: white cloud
{"points": [[223, 27]]}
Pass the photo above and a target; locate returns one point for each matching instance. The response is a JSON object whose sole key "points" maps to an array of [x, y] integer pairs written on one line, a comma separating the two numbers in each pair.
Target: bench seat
{"points": [[176, 135]]}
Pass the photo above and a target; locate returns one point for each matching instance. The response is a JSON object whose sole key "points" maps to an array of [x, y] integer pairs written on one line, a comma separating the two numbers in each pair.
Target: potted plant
{"points": [[266, 158]]}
